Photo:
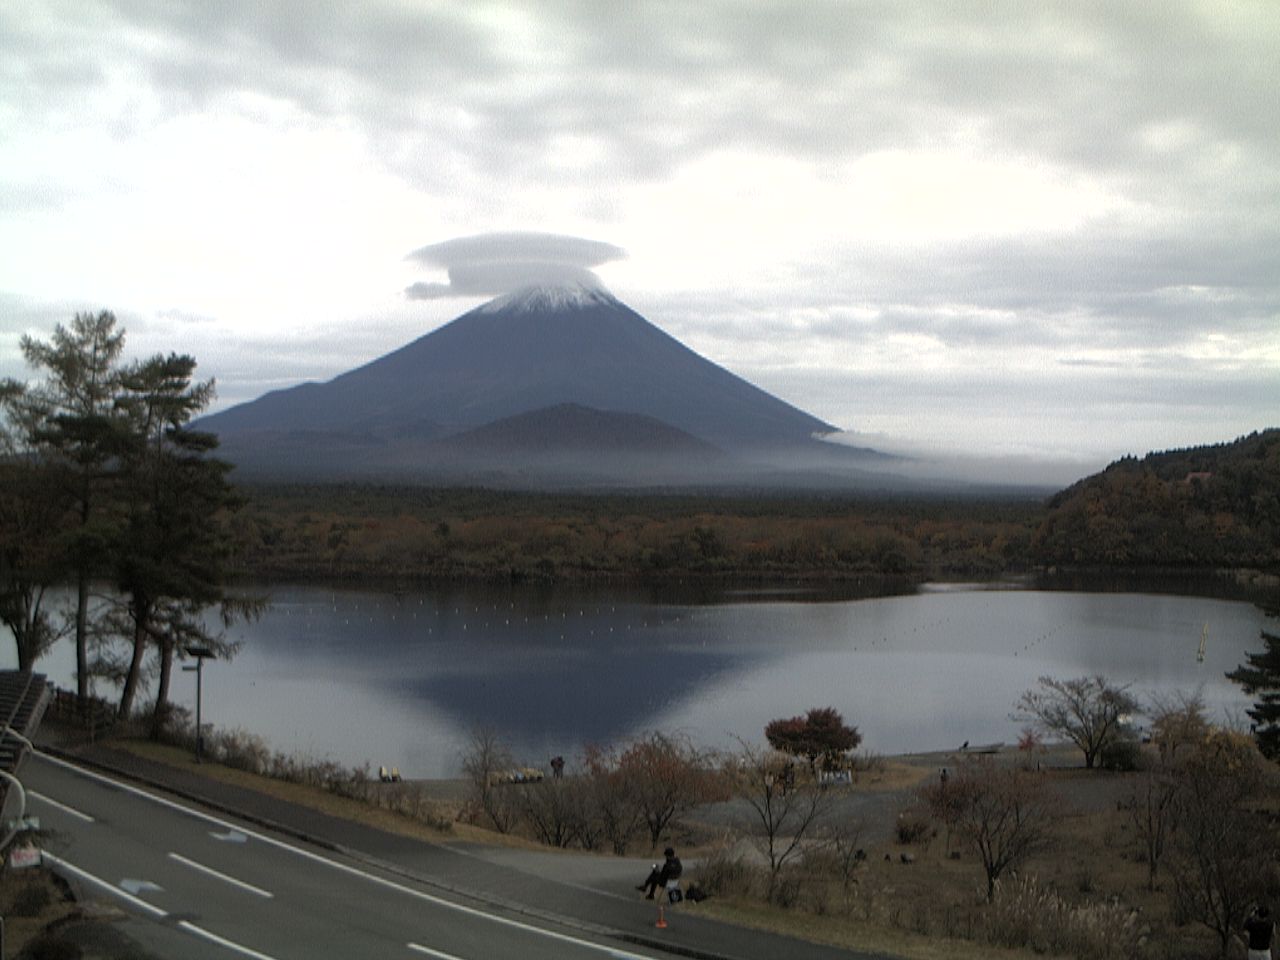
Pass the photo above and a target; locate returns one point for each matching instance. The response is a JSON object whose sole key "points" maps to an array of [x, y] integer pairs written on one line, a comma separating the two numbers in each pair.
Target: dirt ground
{"points": [[42, 918]]}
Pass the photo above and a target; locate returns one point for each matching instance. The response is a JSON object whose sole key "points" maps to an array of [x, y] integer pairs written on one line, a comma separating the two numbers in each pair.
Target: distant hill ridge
{"points": [[570, 427], [1216, 505], [545, 369]]}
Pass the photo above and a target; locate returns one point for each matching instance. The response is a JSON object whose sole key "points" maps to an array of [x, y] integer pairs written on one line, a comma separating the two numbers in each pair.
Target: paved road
{"points": [[231, 890], [586, 897]]}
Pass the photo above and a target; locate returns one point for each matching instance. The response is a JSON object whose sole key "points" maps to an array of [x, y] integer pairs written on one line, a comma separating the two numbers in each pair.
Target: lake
{"points": [[401, 679]]}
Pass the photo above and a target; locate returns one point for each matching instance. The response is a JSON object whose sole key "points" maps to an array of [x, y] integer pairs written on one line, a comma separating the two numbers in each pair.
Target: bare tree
{"points": [[1088, 711], [483, 761], [1178, 720], [552, 809], [1153, 809], [1001, 813], [786, 810], [843, 840], [1220, 846], [615, 810], [667, 777]]}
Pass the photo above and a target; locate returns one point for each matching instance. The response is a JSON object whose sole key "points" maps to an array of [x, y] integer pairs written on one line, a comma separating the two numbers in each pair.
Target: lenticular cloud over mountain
{"points": [[497, 263]]}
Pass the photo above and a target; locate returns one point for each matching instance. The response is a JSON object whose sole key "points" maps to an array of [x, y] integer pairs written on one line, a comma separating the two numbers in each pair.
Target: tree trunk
{"points": [[26, 656], [135, 666], [160, 714], [82, 641]]}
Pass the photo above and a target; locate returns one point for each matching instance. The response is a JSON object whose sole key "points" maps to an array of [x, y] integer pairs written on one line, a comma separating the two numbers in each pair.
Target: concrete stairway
{"points": [[23, 698]]}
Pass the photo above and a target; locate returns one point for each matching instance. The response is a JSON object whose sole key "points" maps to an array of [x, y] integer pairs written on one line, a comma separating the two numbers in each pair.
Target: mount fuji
{"points": [[552, 385]]}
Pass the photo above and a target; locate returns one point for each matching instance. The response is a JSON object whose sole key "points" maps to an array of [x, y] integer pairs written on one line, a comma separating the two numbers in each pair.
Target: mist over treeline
{"points": [[1207, 508]]}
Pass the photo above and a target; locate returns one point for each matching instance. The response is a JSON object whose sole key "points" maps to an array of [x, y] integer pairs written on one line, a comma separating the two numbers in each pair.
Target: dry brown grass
{"points": [[30, 901], [853, 934], [930, 909], [318, 799], [1088, 887], [889, 776]]}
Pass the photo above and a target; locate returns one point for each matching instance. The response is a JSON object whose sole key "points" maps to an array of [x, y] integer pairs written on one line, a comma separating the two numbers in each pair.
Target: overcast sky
{"points": [[1023, 229]]}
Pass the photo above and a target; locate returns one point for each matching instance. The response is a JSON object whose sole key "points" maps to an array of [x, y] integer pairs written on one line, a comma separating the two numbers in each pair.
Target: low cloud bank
{"points": [[1018, 470]]}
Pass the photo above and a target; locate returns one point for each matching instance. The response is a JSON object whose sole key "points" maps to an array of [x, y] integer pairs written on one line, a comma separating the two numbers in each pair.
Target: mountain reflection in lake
{"points": [[401, 679]]}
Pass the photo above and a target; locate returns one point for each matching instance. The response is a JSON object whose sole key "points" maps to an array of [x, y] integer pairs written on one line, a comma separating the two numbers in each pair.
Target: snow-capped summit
{"points": [[543, 297]]}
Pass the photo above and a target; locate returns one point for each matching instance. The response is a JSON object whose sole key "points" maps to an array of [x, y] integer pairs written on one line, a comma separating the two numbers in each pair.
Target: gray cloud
{"points": [[496, 263], [1075, 82], [1169, 110]]}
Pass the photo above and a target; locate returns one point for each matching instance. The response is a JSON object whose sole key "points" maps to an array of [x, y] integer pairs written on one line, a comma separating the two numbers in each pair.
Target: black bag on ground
{"points": [[674, 895]]}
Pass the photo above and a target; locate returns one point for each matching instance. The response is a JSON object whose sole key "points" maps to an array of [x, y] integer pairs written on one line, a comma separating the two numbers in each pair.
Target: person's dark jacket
{"points": [[671, 870], [1260, 928]]}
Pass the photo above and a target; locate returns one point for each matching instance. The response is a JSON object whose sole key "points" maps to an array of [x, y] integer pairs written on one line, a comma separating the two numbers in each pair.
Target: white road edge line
{"points": [[223, 941], [111, 888], [419, 948], [220, 875], [72, 811], [342, 867], [151, 909]]}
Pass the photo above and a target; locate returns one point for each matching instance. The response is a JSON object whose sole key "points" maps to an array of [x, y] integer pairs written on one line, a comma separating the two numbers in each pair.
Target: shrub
{"points": [[1026, 915], [727, 874], [913, 828], [787, 888], [1121, 756], [242, 750]]}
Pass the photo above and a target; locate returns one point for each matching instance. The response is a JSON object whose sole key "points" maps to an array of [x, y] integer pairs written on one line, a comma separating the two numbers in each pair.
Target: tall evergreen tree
{"points": [[1261, 678], [80, 435], [171, 556], [31, 511]]}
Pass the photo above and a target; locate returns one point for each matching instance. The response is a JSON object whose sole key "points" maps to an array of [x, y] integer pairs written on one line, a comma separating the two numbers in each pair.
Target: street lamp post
{"points": [[201, 654]]}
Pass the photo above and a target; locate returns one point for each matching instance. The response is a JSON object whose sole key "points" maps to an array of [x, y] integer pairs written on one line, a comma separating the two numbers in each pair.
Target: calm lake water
{"points": [[400, 679]]}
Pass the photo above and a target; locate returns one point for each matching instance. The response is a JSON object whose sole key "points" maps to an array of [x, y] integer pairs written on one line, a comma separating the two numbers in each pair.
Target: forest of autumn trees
{"points": [[104, 487], [381, 533], [1206, 507]]}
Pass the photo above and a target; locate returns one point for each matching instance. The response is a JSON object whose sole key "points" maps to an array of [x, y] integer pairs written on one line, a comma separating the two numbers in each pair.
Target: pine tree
{"points": [[32, 510], [169, 562], [80, 433], [1261, 678]]}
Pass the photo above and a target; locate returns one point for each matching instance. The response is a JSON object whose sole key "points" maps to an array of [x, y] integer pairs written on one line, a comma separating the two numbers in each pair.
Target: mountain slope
{"points": [[527, 352], [1204, 506], [569, 428], [541, 349]]}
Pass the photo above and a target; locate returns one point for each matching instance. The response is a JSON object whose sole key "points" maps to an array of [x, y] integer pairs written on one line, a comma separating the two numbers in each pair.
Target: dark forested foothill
{"points": [[1205, 507]]}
